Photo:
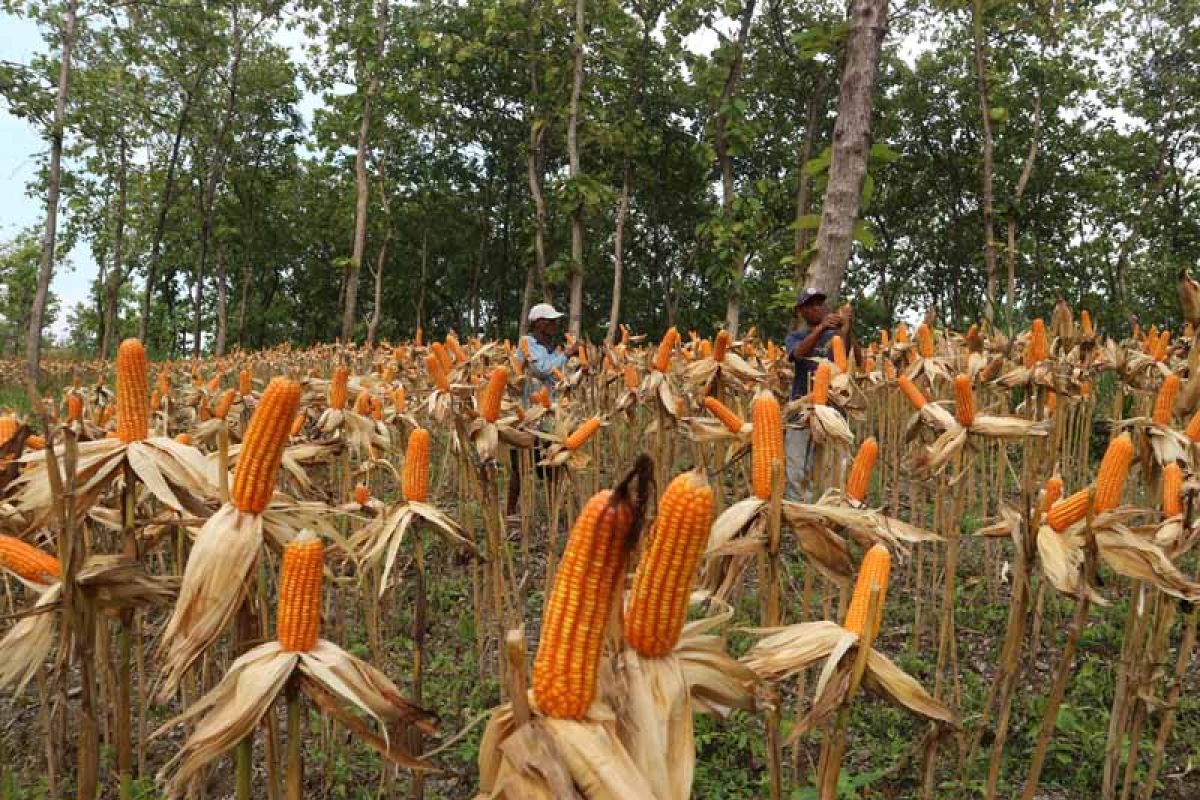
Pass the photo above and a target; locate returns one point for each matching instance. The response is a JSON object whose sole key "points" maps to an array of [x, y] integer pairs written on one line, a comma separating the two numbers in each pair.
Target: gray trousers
{"points": [[798, 450]]}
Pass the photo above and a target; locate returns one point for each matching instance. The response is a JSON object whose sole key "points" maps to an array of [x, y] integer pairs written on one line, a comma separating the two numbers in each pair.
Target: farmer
{"points": [[814, 327], [544, 358]]}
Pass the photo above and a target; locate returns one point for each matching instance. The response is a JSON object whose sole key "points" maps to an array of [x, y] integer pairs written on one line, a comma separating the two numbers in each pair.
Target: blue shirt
{"points": [[540, 366], [806, 366]]}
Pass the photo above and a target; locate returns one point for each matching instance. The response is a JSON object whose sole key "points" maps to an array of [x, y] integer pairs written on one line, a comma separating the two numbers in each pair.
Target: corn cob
{"points": [[245, 384], [164, 382], [133, 395], [925, 340], [705, 349], [156, 400], [298, 615], [362, 493], [869, 365], [1036, 349], [1172, 490], [838, 348], [964, 400], [74, 407], [974, 340], [35, 442], [1163, 346], [437, 373], [1164, 402], [184, 438], [820, 384], [28, 562], [439, 351], [214, 383], [455, 348], [1193, 428], [339, 389], [489, 406], [902, 334], [541, 397], [662, 358], [625, 335], [859, 479], [721, 345], [262, 450], [415, 478], [376, 408], [766, 442], [889, 369], [297, 424], [224, 403], [911, 392], [1114, 469], [205, 411], [564, 671], [885, 339], [1066, 512], [631, 377], [586, 430], [1051, 492], [400, 399], [1085, 324], [725, 414], [558, 375], [872, 573], [8, 428], [663, 581], [362, 402]]}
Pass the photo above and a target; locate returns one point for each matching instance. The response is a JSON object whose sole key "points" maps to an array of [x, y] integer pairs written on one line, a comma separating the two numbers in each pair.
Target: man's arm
{"points": [[542, 361], [810, 342]]}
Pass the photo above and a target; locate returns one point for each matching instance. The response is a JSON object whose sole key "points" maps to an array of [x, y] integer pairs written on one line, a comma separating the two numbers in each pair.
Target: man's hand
{"points": [[833, 320], [572, 350]]}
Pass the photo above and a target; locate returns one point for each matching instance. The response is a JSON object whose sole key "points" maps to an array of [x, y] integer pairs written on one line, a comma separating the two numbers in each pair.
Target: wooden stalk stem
{"points": [[771, 617], [294, 786], [836, 752], [1171, 705]]}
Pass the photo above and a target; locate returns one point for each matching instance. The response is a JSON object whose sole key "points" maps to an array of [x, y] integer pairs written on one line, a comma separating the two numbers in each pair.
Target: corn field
{"points": [[401, 571]]}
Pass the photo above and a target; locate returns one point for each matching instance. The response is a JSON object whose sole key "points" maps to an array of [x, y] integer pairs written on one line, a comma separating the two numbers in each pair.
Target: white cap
{"points": [[544, 311]]}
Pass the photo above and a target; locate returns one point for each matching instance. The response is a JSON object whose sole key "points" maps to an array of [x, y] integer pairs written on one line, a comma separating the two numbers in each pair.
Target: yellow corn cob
{"points": [[376, 408], [1085, 324], [873, 572], [298, 616], [1164, 402], [362, 493], [869, 365], [859, 479], [439, 351], [400, 399], [184, 438], [889, 369], [1150, 340], [35, 442], [564, 671], [663, 581], [74, 407], [1193, 428], [911, 392], [164, 383], [1066, 512], [214, 383], [28, 562], [705, 349], [262, 450], [297, 424], [1036, 349], [925, 340], [224, 403], [1114, 469], [625, 335], [724, 413], [489, 406], [766, 442], [156, 400], [1051, 491], [1172, 490], [415, 478], [1163, 347], [541, 397], [362, 402], [339, 389], [437, 373], [838, 349], [885, 339], [583, 355], [973, 339], [820, 384], [524, 349], [586, 430], [205, 411], [662, 358], [245, 384], [964, 400], [902, 334], [133, 394], [455, 348], [631, 377]]}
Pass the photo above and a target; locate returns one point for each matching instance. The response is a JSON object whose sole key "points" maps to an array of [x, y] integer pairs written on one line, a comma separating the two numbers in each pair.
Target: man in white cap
{"points": [[809, 341], [544, 355]]}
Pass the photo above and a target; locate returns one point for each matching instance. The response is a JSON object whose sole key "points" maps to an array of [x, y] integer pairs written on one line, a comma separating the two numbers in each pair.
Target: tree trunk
{"points": [[733, 307], [536, 272], [803, 236], [989, 238], [241, 336], [575, 307], [362, 188], [424, 273], [1022, 182], [116, 276], [222, 305], [164, 205], [377, 305], [851, 145], [614, 311], [33, 339]]}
